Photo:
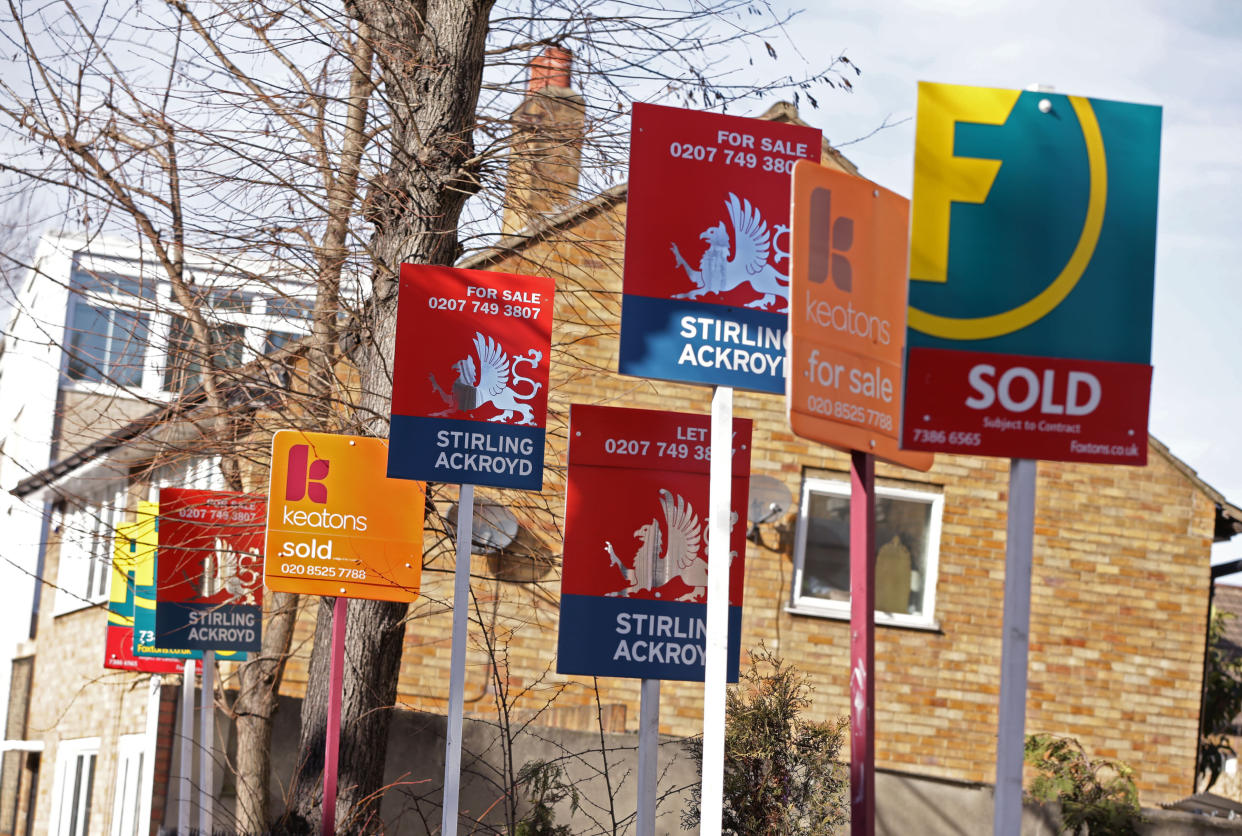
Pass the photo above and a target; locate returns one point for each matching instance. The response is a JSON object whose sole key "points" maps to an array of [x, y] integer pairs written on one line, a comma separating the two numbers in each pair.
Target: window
{"points": [[73, 787], [288, 309], [88, 527], [127, 813], [182, 372], [907, 532], [107, 345], [275, 340]]}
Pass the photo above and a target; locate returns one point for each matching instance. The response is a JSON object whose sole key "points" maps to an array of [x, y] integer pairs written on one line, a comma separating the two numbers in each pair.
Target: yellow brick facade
{"points": [[1120, 583]]}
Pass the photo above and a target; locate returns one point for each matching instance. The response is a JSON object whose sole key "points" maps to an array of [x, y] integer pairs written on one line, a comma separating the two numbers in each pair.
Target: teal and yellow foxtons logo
{"points": [[1033, 219]]}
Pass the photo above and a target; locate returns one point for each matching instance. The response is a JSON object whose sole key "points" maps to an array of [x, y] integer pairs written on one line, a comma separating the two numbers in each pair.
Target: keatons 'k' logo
{"points": [[305, 479]]}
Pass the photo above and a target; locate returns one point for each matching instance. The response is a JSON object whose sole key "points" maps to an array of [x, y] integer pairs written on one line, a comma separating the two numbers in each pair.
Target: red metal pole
{"points": [[332, 737], [862, 644]]}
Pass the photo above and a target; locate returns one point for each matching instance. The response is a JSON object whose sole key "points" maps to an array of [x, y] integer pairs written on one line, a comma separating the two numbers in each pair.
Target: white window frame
{"points": [[256, 321], [87, 531], [74, 759], [127, 804], [808, 605]]}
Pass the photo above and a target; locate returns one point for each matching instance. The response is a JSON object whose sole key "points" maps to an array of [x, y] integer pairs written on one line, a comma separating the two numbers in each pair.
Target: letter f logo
{"points": [[304, 477]]}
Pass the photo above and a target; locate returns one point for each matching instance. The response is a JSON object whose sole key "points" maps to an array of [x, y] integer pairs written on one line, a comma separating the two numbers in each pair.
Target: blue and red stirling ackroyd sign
{"points": [[1032, 262], [209, 570], [707, 247], [470, 377], [634, 573]]}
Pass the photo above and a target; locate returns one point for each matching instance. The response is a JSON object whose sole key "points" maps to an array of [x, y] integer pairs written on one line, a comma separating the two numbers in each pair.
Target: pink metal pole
{"points": [[862, 644], [332, 737]]}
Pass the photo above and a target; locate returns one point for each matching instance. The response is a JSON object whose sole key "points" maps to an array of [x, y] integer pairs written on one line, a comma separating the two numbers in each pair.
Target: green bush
{"points": [[782, 774], [1097, 795], [544, 786]]}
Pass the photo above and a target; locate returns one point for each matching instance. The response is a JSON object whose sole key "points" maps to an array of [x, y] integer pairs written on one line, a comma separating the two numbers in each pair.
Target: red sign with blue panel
{"points": [[209, 570], [634, 573], [470, 377], [707, 247]]}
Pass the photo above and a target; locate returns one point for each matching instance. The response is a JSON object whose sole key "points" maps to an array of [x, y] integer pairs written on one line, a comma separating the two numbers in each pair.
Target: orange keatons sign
{"points": [[336, 524], [847, 313]]}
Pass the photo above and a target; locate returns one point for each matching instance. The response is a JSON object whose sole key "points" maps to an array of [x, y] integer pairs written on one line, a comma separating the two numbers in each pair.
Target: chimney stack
{"points": [[546, 149]]}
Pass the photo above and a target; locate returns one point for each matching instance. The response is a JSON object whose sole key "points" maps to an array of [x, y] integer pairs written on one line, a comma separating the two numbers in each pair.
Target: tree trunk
{"points": [[255, 704], [430, 57]]}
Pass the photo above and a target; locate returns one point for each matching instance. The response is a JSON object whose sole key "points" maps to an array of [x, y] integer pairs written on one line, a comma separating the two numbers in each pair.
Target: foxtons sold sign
{"points": [[1032, 258]]}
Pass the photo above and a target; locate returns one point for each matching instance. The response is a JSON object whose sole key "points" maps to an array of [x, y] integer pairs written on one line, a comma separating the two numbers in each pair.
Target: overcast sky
{"points": [[1185, 56]]}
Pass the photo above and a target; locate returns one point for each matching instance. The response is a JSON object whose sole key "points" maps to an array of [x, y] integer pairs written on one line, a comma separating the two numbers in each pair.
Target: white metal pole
{"points": [[187, 749], [717, 640], [207, 745], [150, 741], [1011, 724], [648, 755], [457, 661]]}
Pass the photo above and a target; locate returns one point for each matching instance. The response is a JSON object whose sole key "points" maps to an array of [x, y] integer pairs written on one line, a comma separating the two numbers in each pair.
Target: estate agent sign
{"points": [[1032, 258], [707, 247], [634, 575]]}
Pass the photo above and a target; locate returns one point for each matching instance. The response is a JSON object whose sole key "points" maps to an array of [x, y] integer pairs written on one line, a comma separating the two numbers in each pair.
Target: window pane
{"points": [[826, 565], [274, 340], [111, 284], [88, 340], [128, 349], [283, 307], [901, 530], [230, 343], [231, 299], [180, 373]]}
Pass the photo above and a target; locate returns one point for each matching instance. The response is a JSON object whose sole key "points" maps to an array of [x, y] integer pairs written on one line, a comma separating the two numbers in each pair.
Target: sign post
{"points": [[1057, 194], [718, 318], [338, 527], [207, 745], [469, 405], [846, 333]]}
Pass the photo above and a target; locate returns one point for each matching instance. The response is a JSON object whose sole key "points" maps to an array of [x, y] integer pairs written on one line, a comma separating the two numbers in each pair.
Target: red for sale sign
{"points": [[470, 377], [209, 570], [634, 575], [707, 246]]}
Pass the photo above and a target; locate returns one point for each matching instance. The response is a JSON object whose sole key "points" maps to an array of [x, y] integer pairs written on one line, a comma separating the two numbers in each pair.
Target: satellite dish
{"points": [[769, 499], [494, 527]]}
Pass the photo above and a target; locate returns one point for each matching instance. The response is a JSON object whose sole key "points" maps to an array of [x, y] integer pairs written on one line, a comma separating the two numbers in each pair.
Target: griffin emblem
{"points": [[489, 382], [654, 566], [718, 273]]}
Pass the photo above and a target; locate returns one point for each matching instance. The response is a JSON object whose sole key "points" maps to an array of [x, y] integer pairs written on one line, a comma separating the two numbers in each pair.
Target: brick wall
{"points": [[1118, 610]]}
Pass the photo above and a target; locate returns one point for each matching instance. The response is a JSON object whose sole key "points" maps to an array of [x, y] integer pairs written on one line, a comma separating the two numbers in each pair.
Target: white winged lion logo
{"points": [[489, 383], [753, 243], [653, 568]]}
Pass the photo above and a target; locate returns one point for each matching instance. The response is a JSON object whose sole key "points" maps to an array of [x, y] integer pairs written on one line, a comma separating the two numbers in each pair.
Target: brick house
{"points": [[1121, 577]]}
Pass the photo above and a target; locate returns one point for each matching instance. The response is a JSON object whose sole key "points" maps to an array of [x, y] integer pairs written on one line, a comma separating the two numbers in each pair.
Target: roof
{"points": [[1228, 515]]}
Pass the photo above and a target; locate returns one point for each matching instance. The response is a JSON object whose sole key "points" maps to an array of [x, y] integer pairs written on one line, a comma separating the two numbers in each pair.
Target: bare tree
{"points": [[247, 133]]}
